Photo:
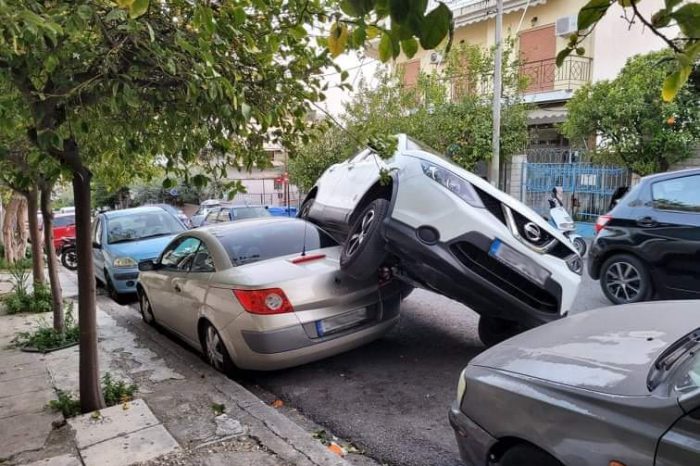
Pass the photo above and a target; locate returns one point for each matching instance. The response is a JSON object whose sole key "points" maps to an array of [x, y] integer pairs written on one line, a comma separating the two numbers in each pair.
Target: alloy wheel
{"points": [[623, 281], [357, 238], [214, 351], [146, 311]]}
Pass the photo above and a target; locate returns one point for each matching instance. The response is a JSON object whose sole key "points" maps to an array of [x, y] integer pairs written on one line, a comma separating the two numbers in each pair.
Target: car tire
{"points": [[363, 251], [69, 259], [526, 455], [580, 245], [146, 309], [215, 351], [619, 276], [306, 207], [111, 291], [493, 330]]}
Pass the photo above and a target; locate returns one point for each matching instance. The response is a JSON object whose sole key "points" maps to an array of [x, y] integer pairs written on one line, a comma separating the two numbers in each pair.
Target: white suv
{"points": [[443, 228]]}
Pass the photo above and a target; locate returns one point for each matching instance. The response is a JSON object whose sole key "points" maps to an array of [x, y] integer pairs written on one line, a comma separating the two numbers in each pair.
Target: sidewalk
{"points": [[179, 407]]}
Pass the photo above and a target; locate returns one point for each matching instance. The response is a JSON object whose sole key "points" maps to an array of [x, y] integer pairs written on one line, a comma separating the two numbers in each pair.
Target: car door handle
{"points": [[647, 222], [176, 287]]}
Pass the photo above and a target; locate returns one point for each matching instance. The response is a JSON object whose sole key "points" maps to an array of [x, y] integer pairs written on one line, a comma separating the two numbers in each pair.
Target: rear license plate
{"points": [[341, 322], [519, 262]]}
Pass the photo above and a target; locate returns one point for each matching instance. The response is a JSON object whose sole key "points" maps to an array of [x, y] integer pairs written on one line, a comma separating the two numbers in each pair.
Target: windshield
{"points": [[412, 144], [142, 225], [261, 242], [251, 212], [688, 378], [64, 221]]}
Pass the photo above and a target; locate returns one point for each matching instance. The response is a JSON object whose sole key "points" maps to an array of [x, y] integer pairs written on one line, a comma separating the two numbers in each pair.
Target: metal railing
{"points": [[544, 75]]}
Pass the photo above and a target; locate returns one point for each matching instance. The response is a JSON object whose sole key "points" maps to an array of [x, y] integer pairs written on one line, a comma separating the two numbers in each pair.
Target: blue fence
{"points": [[588, 188]]}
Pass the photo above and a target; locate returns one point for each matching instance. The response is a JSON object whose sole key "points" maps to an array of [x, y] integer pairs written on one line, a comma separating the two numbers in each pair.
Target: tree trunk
{"points": [[56, 291], [8, 229], [22, 233], [90, 391], [35, 237]]}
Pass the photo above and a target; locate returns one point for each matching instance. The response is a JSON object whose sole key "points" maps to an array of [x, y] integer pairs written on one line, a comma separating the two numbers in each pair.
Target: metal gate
{"points": [[588, 189]]}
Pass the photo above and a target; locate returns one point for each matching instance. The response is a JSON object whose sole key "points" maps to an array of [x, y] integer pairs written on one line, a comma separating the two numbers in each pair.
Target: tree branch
{"points": [[644, 21]]}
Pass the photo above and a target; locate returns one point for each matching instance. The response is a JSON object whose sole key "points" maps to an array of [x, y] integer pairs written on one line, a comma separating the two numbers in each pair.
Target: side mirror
{"points": [[146, 266], [96, 245]]}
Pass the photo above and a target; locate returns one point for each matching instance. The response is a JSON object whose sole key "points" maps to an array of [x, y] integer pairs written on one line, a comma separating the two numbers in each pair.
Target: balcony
{"points": [[544, 75]]}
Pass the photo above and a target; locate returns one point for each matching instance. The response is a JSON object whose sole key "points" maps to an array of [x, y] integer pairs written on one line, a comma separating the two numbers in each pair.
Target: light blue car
{"points": [[123, 238]]}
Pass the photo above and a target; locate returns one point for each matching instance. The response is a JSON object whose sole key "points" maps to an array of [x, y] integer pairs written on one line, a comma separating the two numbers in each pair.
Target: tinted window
{"points": [[677, 194], [141, 225], [261, 242], [64, 221], [202, 261], [179, 255], [250, 212]]}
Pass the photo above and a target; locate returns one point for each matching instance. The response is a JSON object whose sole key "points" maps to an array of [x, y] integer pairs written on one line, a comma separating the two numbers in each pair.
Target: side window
{"points": [[202, 261], [211, 217], [224, 216], [179, 255], [97, 231], [680, 194]]}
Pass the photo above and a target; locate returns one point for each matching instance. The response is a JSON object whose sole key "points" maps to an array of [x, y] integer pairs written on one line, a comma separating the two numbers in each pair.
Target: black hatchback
{"points": [[648, 245]]}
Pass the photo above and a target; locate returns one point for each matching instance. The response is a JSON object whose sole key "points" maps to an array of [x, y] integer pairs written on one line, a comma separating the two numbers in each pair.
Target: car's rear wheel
{"points": [[526, 455], [215, 350], [363, 251], [493, 330], [625, 279], [580, 245], [146, 309]]}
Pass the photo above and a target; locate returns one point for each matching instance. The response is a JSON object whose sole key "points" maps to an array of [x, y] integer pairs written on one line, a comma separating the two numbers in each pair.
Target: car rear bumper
{"points": [[463, 270], [474, 443], [299, 344]]}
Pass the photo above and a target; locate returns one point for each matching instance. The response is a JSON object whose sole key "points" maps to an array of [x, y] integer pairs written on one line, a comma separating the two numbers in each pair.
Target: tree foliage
{"points": [[635, 125]]}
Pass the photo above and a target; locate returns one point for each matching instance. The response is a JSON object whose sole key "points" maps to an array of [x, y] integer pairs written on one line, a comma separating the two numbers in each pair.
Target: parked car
{"points": [[203, 210], [443, 228], [230, 212], [282, 211], [605, 387], [263, 294], [648, 245], [63, 228], [122, 238], [177, 213]]}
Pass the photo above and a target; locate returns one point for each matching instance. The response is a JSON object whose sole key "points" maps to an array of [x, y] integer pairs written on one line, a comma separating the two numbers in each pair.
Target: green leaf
{"points": [[399, 10], [660, 19], [338, 39], [168, 183], [298, 32], [245, 111], [200, 180], [670, 4], [410, 47], [591, 13], [386, 48], [85, 12], [151, 34], [373, 32], [382, 9], [563, 54], [688, 19], [349, 7], [359, 36], [344, 75], [674, 82], [138, 8], [435, 27]]}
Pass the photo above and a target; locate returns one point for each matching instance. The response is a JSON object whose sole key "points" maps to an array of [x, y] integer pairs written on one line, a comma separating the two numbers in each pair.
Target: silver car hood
{"points": [[608, 350]]}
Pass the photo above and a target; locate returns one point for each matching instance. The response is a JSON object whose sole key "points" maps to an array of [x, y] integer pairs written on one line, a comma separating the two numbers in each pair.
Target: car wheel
{"points": [[526, 455], [580, 245], [363, 251], [69, 259], [111, 291], [625, 279], [215, 351], [306, 207], [146, 309], [493, 330]]}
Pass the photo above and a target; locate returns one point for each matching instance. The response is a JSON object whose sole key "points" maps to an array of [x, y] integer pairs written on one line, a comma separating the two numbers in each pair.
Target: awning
{"points": [[543, 116], [470, 11]]}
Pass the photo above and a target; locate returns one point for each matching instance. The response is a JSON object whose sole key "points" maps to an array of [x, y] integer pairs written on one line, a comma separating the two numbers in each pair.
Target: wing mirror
{"points": [[147, 266]]}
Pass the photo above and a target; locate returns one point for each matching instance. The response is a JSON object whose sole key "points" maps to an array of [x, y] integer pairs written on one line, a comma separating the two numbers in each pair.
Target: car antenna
{"points": [[303, 246]]}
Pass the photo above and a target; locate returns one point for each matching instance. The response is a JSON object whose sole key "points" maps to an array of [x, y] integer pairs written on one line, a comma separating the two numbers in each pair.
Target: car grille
{"points": [[492, 204], [506, 279]]}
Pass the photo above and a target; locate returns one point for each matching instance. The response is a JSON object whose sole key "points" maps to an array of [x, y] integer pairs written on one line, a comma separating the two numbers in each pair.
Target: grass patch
{"points": [[114, 391], [45, 338], [20, 299]]}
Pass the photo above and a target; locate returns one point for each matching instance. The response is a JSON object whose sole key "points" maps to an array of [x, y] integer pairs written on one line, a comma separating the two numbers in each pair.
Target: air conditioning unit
{"points": [[435, 58], [566, 26]]}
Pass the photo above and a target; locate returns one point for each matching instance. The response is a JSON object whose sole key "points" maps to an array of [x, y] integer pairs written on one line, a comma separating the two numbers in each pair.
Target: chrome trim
{"points": [[513, 227]]}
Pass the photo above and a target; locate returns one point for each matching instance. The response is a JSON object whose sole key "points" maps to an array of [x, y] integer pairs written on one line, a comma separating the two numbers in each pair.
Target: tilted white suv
{"points": [[445, 229]]}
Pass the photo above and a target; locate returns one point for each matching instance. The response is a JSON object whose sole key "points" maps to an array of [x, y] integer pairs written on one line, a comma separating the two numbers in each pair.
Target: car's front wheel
{"points": [[526, 455], [493, 330], [580, 245], [306, 208], [625, 279], [363, 251]]}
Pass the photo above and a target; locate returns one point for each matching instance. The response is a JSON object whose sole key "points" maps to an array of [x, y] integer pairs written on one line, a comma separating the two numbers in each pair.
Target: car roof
{"points": [[67, 214], [134, 210], [220, 229], [671, 174], [240, 206]]}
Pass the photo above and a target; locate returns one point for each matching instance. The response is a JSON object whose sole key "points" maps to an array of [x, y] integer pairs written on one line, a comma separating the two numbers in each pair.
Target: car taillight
{"points": [[265, 302], [601, 222]]}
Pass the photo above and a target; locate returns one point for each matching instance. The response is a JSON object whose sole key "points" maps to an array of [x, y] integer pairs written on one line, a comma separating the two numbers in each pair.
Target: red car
{"points": [[63, 227]]}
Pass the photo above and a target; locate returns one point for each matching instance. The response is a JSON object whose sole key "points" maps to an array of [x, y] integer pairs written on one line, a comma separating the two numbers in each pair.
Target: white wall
{"points": [[614, 41]]}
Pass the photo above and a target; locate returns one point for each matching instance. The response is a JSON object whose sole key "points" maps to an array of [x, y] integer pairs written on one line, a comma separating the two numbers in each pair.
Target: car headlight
{"points": [[462, 385], [454, 183], [125, 262]]}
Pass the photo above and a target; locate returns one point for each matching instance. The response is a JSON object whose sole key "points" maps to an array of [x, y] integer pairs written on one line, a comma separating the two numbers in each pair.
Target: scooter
{"points": [[69, 254], [562, 221]]}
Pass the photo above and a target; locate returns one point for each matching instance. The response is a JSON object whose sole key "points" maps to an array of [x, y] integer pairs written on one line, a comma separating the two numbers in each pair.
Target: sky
{"points": [[358, 66]]}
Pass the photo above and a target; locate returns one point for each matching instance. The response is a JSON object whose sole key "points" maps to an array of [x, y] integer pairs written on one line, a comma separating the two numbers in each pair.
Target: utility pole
{"points": [[494, 173]]}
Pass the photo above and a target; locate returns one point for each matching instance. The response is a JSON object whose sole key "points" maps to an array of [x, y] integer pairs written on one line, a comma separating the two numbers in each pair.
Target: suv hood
{"points": [[608, 350]]}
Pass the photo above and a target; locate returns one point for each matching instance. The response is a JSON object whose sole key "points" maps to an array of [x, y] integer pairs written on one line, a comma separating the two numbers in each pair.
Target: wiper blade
{"points": [[670, 357]]}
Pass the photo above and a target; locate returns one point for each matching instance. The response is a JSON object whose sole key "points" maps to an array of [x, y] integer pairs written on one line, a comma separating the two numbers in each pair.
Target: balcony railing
{"points": [[545, 76]]}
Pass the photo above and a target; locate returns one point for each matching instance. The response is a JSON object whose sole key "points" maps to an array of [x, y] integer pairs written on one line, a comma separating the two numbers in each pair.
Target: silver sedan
{"points": [[614, 386], [263, 294]]}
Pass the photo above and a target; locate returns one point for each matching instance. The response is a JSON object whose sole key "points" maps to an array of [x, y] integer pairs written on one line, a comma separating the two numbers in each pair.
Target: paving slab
{"points": [[31, 383], [25, 403], [243, 458], [113, 422], [140, 446], [62, 460], [25, 432]]}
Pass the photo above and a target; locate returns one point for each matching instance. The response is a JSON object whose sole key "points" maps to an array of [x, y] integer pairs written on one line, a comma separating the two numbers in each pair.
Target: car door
{"points": [[670, 229], [680, 446], [98, 258]]}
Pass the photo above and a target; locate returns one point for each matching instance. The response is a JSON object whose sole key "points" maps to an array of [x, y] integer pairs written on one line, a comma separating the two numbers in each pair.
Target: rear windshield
{"points": [[250, 212], [262, 242], [64, 221]]}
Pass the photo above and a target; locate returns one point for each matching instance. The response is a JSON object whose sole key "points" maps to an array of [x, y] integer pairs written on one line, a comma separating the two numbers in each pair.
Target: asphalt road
{"points": [[391, 397]]}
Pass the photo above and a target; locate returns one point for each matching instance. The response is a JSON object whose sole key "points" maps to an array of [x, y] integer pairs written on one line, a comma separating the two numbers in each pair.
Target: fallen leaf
{"points": [[277, 403], [337, 449]]}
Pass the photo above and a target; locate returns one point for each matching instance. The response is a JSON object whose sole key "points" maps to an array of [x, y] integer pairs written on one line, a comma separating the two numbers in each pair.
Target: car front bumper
{"points": [[124, 279], [474, 443]]}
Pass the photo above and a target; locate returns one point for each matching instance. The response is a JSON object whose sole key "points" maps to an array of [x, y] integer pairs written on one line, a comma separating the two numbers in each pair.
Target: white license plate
{"points": [[519, 262], [341, 322]]}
